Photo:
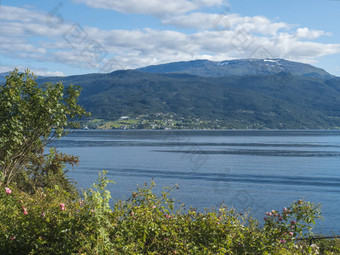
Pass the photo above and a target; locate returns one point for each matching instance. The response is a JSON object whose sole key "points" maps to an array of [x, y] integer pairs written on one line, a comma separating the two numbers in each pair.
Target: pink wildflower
{"points": [[132, 213], [285, 209], [62, 207], [25, 210], [291, 233], [293, 222], [43, 214], [268, 214], [153, 207], [93, 210], [8, 190], [13, 237], [167, 216], [283, 241]]}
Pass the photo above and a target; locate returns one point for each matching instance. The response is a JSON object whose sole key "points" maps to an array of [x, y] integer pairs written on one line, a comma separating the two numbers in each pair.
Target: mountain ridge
{"points": [[278, 100], [207, 68]]}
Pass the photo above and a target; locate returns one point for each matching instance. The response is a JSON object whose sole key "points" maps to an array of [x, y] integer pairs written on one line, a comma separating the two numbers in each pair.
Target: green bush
{"points": [[32, 116], [51, 221]]}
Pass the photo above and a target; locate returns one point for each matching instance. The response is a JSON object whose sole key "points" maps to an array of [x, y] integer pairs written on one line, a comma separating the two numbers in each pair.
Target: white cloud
{"points": [[306, 33], [36, 71], [151, 7], [28, 34], [4, 69], [204, 21], [198, 20], [44, 72]]}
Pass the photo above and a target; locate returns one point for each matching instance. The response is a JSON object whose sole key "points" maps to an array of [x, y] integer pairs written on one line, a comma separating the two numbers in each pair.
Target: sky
{"points": [[68, 37]]}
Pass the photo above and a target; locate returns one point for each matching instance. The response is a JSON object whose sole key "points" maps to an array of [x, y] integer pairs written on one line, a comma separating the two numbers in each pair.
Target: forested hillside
{"points": [[279, 100]]}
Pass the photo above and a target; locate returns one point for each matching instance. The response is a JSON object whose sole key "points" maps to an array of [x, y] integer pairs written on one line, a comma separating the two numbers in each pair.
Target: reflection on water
{"points": [[263, 170]]}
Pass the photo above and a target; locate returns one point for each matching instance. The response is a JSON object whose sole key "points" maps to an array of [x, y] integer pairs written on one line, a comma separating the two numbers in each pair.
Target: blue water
{"points": [[262, 170]]}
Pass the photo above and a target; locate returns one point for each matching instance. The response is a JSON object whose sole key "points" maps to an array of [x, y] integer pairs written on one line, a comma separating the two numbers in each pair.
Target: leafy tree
{"points": [[31, 116]]}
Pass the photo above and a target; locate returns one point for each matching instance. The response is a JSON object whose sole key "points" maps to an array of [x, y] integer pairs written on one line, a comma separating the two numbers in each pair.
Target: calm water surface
{"points": [[263, 170]]}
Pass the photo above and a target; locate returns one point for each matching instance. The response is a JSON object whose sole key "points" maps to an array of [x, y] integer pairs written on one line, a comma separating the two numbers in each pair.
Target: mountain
{"points": [[271, 93], [2, 76], [278, 100], [208, 68]]}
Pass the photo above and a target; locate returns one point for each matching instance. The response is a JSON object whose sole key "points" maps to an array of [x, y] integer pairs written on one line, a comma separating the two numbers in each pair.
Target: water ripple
{"points": [[167, 143], [223, 177], [275, 153]]}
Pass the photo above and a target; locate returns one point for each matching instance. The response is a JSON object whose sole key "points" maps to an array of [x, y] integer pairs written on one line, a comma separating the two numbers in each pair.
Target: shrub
{"points": [[50, 221]]}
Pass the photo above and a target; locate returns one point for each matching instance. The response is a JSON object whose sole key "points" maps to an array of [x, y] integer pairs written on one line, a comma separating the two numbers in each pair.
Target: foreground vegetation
{"points": [[42, 212], [51, 222]]}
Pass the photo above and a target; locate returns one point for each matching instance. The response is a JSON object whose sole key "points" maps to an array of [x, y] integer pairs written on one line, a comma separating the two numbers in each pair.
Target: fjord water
{"points": [[262, 170]]}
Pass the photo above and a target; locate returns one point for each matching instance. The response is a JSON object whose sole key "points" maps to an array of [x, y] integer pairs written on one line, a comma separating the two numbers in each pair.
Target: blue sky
{"points": [[85, 36]]}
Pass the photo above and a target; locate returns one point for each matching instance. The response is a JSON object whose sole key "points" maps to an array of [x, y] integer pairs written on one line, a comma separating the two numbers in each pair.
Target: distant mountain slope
{"points": [[279, 100], [2, 76], [208, 68]]}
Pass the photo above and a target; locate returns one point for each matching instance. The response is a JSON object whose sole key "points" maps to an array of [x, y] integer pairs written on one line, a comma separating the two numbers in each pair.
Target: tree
{"points": [[31, 116]]}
